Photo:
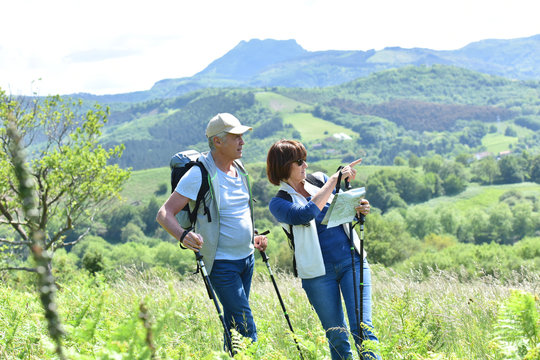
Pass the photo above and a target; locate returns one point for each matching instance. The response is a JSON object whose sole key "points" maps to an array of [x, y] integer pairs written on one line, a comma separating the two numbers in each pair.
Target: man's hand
{"points": [[260, 242], [193, 241]]}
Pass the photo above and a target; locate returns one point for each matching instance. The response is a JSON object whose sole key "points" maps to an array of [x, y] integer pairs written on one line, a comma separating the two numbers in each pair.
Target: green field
{"points": [[476, 196], [496, 143], [280, 103], [143, 184], [297, 114], [313, 128]]}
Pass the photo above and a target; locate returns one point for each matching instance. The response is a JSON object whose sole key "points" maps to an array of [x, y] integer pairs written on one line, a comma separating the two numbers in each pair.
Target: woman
{"points": [[323, 256]]}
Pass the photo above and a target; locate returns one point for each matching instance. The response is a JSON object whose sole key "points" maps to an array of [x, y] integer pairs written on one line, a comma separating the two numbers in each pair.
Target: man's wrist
{"points": [[182, 237]]}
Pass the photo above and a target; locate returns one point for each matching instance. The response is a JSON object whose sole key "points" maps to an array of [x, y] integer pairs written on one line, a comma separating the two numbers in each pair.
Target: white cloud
{"points": [[113, 46]]}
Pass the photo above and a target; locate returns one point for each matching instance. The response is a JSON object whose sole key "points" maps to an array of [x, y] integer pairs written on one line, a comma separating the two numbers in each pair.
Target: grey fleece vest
{"points": [[210, 230]]}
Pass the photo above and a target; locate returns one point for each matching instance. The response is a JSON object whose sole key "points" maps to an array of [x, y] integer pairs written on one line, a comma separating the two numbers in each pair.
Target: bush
{"points": [[471, 261], [387, 239], [510, 131], [93, 261]]}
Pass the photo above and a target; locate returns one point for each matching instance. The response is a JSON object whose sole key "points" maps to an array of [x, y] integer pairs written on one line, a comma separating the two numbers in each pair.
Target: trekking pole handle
{"points": [[362, 218], [263, 254]]}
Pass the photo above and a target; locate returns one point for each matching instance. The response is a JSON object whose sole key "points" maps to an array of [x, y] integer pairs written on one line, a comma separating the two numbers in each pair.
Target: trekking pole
{"points": [[360, 327], [358, 305], [265, 260], [212, 295]]}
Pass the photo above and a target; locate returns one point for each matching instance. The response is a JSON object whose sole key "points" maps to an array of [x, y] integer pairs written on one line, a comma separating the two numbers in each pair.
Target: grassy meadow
{"points": [[312, 127], [298, 114], [495, 143], [280, 103], [143, 184], [486, 196], [131, 314]]}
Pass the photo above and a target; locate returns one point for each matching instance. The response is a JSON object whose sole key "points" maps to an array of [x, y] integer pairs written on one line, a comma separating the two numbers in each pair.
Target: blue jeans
{"points": [[231, 280], [324, 293]]}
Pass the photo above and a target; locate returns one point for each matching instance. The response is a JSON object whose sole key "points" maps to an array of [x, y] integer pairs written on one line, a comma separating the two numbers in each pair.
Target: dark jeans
{"points": [[231, 280]]}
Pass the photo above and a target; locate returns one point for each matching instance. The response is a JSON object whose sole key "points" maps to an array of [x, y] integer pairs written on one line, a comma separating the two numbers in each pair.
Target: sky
{"points": [[50, 47]]}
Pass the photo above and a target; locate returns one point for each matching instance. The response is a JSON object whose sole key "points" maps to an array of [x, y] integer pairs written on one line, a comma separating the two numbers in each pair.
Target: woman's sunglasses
{"points": [[299, 162]]}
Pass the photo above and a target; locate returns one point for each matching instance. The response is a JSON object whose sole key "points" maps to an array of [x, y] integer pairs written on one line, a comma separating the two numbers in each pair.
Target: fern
{"points": [[16, 320], [517, 333]]}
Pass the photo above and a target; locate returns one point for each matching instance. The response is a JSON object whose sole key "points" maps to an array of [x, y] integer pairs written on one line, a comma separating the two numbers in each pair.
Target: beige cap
{"points": [[225, 122]]}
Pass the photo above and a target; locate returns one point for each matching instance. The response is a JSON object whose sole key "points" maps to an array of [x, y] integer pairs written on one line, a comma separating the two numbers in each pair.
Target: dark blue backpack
{"points": [[180, 163]]}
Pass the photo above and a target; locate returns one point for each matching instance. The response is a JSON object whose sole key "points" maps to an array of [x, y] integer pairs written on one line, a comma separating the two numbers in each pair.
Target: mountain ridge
{"points": [[271, 63]]}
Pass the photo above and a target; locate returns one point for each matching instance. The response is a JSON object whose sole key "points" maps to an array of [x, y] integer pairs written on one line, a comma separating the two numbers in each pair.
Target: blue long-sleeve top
{"points": [[333, 241]]}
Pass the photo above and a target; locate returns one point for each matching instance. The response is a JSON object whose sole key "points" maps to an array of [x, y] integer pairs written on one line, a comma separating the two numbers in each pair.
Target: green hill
{"points": [[412, 110]]}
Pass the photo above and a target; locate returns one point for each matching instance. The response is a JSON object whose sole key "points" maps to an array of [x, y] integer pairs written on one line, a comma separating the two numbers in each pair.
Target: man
{"points": [[226, 238]]}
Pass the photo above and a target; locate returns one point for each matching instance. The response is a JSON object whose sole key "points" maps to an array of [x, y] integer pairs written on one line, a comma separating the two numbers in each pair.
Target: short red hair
{"points": [[280, 158]]}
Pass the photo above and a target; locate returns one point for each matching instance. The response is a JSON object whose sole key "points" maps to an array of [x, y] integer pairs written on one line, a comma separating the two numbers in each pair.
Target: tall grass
{"points": [[157, 314]]}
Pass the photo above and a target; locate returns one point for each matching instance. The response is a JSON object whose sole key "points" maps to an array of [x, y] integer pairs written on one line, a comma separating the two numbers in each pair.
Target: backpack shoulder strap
{"points": [[282, 194], [314, 180], [240, 165], [205, 186]]}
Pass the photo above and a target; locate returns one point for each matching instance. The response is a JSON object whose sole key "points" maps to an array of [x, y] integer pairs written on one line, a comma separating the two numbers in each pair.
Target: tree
{"points": [[449, 219], [389, 241], [422, 221], [500, 222], [522, 222], [66, 181], [433, 164], [148, 216], [399, 161], [67, 165], [486, 170], [535, 169], [511, 170], [119, 217], [414, 161], [510, 131]]}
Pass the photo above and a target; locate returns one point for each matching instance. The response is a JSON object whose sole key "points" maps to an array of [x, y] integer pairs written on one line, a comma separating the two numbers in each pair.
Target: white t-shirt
{"points": [[234, 212]]}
